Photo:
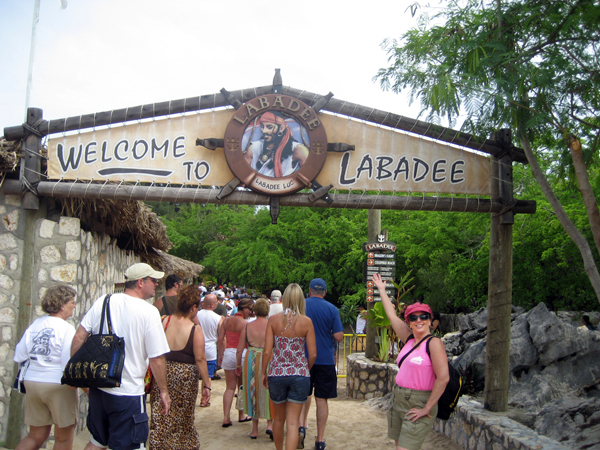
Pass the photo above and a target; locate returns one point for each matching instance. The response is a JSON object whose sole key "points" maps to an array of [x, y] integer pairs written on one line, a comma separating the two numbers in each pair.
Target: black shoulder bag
{"points": [[99, 361]]}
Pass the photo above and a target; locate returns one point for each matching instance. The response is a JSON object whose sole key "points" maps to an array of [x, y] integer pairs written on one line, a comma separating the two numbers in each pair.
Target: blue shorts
{"points": [[118, 422], [289, 389], [212, 365]]}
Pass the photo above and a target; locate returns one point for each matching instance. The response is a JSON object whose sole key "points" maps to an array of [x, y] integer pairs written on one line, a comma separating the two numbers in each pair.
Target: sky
{"points": [[99, 55]]}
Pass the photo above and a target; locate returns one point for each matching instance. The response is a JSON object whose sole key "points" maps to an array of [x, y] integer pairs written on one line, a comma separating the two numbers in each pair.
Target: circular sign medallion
{"points": [[275, 144]]}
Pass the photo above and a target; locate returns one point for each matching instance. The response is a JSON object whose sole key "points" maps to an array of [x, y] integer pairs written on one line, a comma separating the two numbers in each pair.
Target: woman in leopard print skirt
{"points": [[176, 431]]}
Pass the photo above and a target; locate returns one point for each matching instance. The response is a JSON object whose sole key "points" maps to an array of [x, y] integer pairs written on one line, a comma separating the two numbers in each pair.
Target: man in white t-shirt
{"points": [[117, 416], [210, 322]]}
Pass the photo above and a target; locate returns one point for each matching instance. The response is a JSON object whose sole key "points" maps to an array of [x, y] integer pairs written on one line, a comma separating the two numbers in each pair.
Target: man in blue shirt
{"points": [[323, 377]]}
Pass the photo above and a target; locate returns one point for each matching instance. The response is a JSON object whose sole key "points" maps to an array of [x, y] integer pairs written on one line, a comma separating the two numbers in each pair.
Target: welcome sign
{"points": [[164, 151]]}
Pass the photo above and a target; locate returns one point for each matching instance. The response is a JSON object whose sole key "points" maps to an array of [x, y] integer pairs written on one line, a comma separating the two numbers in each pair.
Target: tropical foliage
{"points": [[528, 65], [446, 252]]}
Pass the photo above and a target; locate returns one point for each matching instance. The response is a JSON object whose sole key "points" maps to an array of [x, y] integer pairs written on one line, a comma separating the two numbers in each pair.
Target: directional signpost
{"points": [[381, 259]]}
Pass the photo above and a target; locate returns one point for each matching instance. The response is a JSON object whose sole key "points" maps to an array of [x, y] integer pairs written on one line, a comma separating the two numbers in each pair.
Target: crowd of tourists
{"points": [[276, 352]]}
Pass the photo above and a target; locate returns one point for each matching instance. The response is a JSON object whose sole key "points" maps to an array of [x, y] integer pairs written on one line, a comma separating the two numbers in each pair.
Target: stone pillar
{"points": [[17, 257]]}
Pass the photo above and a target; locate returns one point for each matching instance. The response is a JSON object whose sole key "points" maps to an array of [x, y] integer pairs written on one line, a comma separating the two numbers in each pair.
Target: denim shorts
{"points": [[289, 389]]}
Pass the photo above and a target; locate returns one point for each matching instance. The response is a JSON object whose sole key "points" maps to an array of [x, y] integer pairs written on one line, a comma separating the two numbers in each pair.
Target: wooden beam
{"points": [[240, 197], [219, 100]]}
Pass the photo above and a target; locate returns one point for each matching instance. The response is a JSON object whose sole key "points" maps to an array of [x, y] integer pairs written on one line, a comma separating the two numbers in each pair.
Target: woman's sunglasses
{"points": [[414, 317]]}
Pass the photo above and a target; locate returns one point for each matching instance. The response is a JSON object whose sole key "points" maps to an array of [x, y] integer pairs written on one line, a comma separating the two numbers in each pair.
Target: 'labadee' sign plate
{"points": [[275, 144]]}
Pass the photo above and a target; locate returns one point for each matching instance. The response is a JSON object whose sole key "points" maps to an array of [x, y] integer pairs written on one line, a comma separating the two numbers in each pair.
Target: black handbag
{"points": [[99, 361]]}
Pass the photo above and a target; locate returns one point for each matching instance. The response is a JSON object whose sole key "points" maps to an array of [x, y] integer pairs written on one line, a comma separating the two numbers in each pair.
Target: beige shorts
{"points": [[409, 434], [50, 403]]}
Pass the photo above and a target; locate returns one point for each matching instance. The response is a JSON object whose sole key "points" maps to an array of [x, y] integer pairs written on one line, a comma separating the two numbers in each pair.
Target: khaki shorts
{"points": [[409, 434], [50, 403]]}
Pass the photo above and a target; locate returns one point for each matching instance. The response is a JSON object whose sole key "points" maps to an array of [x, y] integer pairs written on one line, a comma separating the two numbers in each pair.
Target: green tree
{"points": [[531, 65], [306, 243], [191, 226]]}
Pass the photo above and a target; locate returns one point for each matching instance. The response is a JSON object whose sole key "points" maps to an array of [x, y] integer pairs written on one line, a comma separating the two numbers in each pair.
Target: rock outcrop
{"points": [[554, 370]]}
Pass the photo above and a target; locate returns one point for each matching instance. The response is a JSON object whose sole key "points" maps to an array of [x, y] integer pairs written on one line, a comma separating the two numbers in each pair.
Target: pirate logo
{"points": [[282, 145], [41, 342]]}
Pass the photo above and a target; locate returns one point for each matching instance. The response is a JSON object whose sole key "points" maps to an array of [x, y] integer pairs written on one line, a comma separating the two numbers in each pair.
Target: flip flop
{"points": [[225, 425], [247, 419], [204, 405], [270, 433], [251, 437]]}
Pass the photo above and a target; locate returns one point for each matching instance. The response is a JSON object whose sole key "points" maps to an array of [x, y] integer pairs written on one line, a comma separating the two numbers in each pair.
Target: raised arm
{"points": [[401, 329]]}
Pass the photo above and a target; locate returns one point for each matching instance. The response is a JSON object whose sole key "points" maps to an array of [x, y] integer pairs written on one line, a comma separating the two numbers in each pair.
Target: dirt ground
{"points": [[352, 425]]}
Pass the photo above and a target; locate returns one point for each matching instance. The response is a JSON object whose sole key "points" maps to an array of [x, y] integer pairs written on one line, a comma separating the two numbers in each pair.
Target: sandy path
{"points": [[352, 425]]}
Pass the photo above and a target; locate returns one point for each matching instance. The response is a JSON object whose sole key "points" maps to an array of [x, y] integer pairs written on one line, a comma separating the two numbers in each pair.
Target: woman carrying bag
{"points": [[421, 380]]}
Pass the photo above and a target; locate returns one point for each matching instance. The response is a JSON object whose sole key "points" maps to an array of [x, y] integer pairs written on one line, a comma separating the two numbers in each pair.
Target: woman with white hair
{"points": [[47, 346], [276, 305]]}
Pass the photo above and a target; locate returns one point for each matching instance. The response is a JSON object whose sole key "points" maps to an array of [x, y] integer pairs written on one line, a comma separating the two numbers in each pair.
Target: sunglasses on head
{"points": [[414, 317]]}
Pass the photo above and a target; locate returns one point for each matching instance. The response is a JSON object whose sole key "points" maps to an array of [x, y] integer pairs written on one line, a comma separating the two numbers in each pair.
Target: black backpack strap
{"points": [[414, 347], [165, 306], [427, 345]]}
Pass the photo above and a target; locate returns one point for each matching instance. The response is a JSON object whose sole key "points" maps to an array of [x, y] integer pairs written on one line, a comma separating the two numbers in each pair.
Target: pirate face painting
{"points": [[275, 144], [279, 151], [41, 342]]}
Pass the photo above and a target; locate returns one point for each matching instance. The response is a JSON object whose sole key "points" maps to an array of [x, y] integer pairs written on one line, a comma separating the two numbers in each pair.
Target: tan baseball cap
{"points": [[142, 270]]}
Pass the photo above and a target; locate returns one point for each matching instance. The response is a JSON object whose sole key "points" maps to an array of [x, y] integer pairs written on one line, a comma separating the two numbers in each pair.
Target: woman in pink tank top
{"points": [[421, 380]]}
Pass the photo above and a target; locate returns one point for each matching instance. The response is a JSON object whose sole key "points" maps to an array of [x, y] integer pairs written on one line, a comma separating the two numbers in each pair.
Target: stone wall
{"points": [[62, 253], [11, 257], [471, 427], [366, 379], [474, 428]]}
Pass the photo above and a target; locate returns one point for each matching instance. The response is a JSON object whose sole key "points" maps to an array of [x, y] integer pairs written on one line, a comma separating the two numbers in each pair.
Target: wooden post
{"points": [[499, 289], [374, 228], [31, 164]]}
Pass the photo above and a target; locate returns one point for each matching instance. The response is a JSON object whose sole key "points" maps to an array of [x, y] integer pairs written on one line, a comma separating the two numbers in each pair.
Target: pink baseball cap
{"points": [[417, 307]]}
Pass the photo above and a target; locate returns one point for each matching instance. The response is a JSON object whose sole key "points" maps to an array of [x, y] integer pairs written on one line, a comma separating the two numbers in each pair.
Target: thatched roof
{"points": [[172, 264], [10, 156], [135, 227], [132, 223]]}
